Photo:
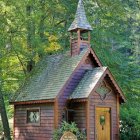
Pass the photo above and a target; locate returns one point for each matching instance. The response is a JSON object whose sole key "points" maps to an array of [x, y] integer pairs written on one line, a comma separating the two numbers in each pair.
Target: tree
{"points": [[3, 114]]}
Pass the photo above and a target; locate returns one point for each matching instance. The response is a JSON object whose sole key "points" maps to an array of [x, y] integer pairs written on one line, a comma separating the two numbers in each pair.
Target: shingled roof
{"points": [[88, 83], [49, 78], [80, 21]]}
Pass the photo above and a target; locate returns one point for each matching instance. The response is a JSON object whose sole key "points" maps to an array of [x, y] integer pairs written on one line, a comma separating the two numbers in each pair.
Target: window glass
{"points": [[33, 116]]}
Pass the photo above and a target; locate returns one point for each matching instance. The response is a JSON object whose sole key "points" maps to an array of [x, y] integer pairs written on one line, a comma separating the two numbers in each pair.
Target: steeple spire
{"points": [[80, 21], [79, 31]]}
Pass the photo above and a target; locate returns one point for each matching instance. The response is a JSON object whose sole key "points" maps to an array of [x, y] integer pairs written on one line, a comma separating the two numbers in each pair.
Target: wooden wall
{"points": [[80, 115], [43, 131], [110, 101], [74, 47]]}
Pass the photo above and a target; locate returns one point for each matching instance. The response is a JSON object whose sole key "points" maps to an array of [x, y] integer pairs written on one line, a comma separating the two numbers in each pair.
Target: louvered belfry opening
{"points": [[79, 31], [79, 41]]}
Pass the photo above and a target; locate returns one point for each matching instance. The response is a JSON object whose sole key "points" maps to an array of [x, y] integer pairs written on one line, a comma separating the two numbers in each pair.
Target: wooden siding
{"points": [[88, 119], [80, 115], [42, 131], [74, 47], [111, 102], [77, 45]]}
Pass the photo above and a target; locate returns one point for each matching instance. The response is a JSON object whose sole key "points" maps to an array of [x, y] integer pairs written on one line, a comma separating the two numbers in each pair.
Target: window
{"points": [[68, 115], [103, 90], [33, 116]]}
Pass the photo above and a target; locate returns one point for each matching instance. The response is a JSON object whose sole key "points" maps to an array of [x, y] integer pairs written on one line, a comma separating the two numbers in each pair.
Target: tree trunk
{"points": [[30, 27], [42, 21], [30, 37], [4, 118]]}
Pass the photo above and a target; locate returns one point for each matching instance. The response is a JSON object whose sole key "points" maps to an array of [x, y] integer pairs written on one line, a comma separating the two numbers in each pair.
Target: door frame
{"points": [[111, 119]]}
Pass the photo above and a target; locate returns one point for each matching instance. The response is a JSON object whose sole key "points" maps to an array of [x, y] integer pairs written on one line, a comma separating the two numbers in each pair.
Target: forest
{"points": [[30, 29]]}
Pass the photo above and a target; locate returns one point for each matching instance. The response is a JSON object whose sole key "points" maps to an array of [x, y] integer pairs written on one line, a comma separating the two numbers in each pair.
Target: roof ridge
{"points": [[50, 78]]}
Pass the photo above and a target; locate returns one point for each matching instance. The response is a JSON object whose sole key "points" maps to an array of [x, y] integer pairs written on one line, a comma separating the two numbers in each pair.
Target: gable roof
{"points": [[80, 21], [51, 76], [90, 81]]}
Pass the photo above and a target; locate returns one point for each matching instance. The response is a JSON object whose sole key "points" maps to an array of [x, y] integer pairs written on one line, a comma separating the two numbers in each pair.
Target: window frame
{"points": [[66, 114], [32, 109]]}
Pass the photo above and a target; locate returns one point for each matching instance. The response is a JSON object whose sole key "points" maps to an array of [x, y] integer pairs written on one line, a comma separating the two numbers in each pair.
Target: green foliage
{"points": [[130, 127], [72, 127]]}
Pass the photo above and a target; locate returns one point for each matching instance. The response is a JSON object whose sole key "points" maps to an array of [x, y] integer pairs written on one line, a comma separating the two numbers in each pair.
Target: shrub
{"points": [[72, 127], [130, 124]]}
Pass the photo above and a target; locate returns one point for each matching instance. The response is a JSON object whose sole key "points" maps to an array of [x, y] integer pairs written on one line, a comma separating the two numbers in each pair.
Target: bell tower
{"points": [[79, 31]]}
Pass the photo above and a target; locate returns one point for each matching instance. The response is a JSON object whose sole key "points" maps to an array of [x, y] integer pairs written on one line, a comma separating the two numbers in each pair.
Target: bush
{"points": [[130, 124], [72, 127]]}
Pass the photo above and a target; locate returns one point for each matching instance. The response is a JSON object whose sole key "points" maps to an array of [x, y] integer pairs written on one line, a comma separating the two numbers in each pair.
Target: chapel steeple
{"points": [[80, 21], [80, 30]]}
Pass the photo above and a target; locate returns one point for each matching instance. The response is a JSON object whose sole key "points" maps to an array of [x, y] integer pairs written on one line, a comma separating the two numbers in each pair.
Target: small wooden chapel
{"points": [[73, 86]]}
